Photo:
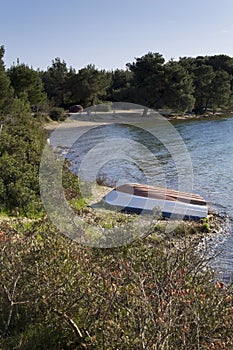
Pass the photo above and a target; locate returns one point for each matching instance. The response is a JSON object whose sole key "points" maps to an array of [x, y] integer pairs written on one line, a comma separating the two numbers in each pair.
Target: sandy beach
{"points": [[131, 116]]}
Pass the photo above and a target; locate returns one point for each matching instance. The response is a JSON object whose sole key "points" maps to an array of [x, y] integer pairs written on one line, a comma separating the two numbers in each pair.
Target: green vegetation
{"points": [[200, 84], [27, 85], [56, 294], [22, 142]]}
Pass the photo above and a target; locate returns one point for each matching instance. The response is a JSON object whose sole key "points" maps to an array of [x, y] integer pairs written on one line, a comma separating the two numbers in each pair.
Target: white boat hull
{"points": [[167, 208]]}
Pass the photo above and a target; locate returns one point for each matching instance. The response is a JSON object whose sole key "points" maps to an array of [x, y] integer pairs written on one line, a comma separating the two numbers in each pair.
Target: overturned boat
{"points": [[140, 198]]}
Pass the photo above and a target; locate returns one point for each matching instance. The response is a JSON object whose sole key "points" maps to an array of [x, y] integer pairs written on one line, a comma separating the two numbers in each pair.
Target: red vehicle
{"points": [[76, 109]]}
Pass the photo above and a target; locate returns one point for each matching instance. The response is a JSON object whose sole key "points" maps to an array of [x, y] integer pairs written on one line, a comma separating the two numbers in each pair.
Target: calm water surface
{"points": [[209, 144]]}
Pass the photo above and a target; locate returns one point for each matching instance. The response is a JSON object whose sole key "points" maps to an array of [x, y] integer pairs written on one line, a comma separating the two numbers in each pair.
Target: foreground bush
{"points": [[56, 294], [22, 143]]}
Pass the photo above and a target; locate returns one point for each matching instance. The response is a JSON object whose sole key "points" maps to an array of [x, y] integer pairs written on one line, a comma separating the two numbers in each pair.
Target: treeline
{"points": [[189, 84]]}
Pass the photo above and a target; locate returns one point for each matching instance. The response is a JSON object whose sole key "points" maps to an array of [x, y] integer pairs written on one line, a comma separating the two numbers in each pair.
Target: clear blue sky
{"points": [[110, 33]]}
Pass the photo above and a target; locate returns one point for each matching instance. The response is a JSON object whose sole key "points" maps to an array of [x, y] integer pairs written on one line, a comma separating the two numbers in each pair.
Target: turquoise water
{"points": [[133, 154]]}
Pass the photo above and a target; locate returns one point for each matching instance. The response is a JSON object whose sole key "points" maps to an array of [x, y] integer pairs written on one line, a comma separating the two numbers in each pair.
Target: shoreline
{"points": [[200, 117], [124, 117], [176, 236]]}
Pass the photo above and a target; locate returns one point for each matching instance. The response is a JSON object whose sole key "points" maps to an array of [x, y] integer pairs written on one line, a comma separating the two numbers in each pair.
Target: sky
{"points": [[110, 33]]}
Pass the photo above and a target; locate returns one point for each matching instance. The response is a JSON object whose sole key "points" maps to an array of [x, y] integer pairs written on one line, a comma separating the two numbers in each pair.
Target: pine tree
{"points": [[6, 91]]}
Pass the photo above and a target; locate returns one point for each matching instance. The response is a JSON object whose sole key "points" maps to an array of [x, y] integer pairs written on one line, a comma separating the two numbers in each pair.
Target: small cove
{"points": [[136, 155]]}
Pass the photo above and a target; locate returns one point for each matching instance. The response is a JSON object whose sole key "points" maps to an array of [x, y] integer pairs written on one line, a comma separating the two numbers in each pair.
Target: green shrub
{"points": [[22, 143], [145, 295], [57, 114]]}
